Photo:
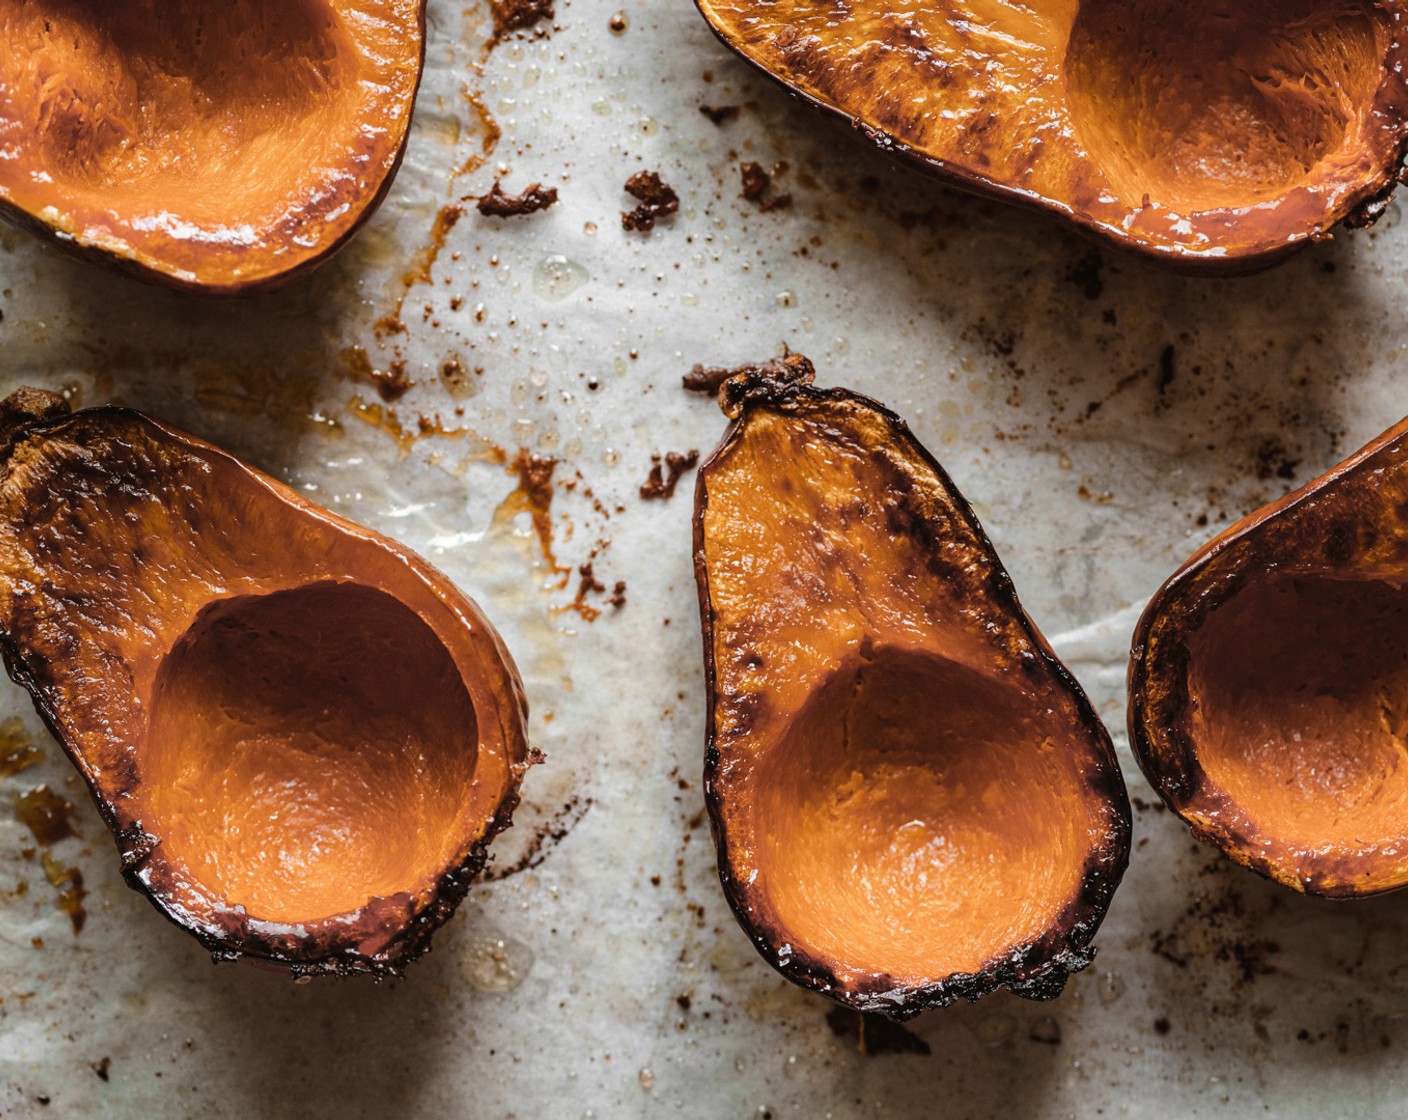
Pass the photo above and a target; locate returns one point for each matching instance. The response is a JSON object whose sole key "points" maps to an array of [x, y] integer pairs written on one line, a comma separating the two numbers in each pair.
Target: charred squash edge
{"points": [[270, 282], [1177, 780], [1369, 203], [1065, 948], [314, 951]]}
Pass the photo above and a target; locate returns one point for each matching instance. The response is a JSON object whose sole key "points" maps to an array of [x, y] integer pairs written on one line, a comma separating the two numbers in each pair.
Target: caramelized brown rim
{"points": [[1359, 209], [1040, 968], [141, 269], [1176, 774], [405, 921]]}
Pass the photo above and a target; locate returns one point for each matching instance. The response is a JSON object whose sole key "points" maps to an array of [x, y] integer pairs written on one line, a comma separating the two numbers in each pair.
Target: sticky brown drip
{"points": [[664, 477]]}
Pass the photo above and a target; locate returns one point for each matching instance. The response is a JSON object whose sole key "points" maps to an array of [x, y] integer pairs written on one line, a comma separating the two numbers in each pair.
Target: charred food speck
{"points": [[497, 204], [656, 198]]}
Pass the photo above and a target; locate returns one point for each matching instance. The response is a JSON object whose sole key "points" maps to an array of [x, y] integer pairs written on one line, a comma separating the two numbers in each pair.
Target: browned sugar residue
{"points": [[511, 16], [546, 837], [874, 1034], [656, 198], [46, 814], [533, 496], [489, 132], [588, 584], [421, 269], [388, 420], [756, 183], [391, 382], [497, 204], [69, 880], [720, 114], [664, 477], [17, 749], [423, 263]]}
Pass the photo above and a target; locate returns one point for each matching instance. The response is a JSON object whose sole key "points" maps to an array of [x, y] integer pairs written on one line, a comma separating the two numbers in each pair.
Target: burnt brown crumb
{"points": [[664, 477], [709, 379], [756, 182], [874, 1034], [1046, 1030], [1162, 1025], [685, 1002], [519, 15], [497, 204], [101, 1068], [720, 114], [656, 198]]}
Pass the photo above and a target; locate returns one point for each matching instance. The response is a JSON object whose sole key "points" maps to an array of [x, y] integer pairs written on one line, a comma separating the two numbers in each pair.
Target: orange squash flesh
{"points": [[912, 800], [219, 147], [1214, 135], [1269, 682], [301, 734]]}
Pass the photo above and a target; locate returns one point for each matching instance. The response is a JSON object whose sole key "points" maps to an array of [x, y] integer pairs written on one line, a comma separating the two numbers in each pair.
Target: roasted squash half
{"points": [[1216, 135], [302, 736], [220, 147], [1269, 682], [912, 799]]}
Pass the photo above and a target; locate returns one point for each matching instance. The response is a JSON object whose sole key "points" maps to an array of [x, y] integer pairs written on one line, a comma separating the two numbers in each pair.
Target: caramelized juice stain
{"points": [[392, 382], [46, 815], [388, 419], [17, 749], [489, 133], [71, 893], [421, 268], [533, 496], [588, 584]]}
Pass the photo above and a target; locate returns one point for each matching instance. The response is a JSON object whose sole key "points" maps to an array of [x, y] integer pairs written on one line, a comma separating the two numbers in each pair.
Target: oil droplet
{"points": [[996, 1030], [493, 962], [556, 277], [647, 1078], [1110, 986]]}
